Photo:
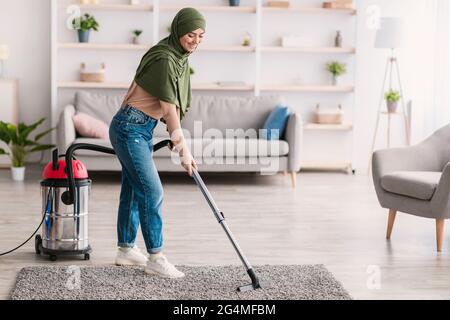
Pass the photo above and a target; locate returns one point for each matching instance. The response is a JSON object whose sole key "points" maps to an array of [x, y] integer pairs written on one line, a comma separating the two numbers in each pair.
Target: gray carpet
{"points": [[297, 282]]}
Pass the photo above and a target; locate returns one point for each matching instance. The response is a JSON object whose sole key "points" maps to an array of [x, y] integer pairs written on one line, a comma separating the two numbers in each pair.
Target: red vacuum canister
{"points": [[65, 225]]}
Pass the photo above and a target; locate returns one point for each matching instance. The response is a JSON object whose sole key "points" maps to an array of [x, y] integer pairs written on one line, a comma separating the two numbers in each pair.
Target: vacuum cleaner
{"points": [[65, 198]]}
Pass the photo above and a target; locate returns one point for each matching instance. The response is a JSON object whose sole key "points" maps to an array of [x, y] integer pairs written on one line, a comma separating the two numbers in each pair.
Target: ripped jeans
{"points": [[141, 195]]}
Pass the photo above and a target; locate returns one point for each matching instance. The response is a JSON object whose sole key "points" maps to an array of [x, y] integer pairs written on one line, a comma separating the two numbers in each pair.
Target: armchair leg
{"points": [[439, 233], [391, 219], [294, 179]]}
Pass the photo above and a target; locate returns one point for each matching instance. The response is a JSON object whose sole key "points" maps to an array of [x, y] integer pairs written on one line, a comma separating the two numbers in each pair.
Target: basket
{"points": [[329, 116], [98, 76]]}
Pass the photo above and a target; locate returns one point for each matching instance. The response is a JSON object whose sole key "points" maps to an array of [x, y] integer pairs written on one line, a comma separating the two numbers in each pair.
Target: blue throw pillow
{"points": [[275, 123]]}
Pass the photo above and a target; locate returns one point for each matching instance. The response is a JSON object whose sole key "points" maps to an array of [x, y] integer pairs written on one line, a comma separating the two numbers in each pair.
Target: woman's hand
{"points": [[188, 162]]}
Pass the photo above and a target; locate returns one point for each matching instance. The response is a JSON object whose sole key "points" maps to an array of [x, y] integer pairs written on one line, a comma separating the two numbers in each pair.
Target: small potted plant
{"points": [[16, 138], [392, 97], [84, 24], [336, 69], [136, 34], [247, 41]]}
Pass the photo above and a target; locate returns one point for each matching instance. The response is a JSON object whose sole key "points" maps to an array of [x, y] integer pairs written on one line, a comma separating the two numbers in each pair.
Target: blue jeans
{"points": [[141, 195]]}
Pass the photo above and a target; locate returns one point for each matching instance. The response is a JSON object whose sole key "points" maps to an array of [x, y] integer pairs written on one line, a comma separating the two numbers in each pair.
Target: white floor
{"points": [[331, 218]]}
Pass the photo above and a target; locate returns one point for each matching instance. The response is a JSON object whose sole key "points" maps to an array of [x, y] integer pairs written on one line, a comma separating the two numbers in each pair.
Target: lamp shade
{"points": [[390, 33], [4, 52]]}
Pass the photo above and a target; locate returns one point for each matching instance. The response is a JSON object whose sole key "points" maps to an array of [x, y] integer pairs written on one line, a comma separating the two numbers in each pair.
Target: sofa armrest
{"points": [[440, 203], [66, 128], [294, 137]]}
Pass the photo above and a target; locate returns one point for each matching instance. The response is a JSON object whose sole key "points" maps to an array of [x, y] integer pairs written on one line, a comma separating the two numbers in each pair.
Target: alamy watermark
{"points": [[232, 147], [74, 279]]}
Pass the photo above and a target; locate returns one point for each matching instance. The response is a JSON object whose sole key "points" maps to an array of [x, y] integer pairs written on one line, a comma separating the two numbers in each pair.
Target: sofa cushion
{"points": [[275, 124], [415, 184], [100, 106], [88, 126]]}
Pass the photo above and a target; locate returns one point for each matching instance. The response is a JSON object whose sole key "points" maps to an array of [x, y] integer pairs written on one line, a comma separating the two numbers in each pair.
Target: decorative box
{"points": [[92, 76], [329, 116]]}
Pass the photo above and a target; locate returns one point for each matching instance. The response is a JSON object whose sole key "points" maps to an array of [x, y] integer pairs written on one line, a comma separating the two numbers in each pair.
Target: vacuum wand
{"points": [[221, 219]]}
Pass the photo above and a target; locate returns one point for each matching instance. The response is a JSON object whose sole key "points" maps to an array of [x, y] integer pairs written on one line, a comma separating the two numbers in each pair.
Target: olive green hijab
{"points": [[164, 70]]}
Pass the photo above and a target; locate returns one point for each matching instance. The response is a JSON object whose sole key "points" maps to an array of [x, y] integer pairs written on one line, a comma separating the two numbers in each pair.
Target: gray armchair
{"points": [[416, 180]]}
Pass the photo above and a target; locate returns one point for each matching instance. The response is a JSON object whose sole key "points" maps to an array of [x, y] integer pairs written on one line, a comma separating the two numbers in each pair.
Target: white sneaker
{"points": [[130, 257], [158, 264]]}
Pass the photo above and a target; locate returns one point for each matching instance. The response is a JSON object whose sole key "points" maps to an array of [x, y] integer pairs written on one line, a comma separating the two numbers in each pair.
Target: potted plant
{"points": [[392, 97], [136, 34], [336, 69], [234, 3], [16, 138], [246, 42], [84, 24]]}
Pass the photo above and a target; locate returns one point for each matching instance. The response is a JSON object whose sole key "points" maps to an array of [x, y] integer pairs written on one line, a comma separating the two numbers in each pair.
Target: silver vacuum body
{"points": [[65, 228]]}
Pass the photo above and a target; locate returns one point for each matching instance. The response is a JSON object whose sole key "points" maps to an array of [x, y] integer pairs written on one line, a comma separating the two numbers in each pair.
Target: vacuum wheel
{"points": [[37, 244], [87, 256], [53, 257]]}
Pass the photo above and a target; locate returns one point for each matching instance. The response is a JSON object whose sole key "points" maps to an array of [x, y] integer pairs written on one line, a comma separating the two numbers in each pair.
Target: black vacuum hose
{"points": [[68, 197]]}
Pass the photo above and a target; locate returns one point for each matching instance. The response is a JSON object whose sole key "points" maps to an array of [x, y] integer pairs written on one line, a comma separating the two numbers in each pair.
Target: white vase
{"points": [[18, 173], [334, 80]]}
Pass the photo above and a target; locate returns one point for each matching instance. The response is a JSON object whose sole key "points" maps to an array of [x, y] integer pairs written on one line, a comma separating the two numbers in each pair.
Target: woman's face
{"points": [[190, 41]]}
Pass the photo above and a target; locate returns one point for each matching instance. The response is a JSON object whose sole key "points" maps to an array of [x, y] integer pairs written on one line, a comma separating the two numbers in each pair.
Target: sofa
{"points": [[223, 133]]}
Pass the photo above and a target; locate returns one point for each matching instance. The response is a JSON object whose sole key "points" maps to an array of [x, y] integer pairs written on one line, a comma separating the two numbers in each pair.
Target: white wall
{"points": [[416, 66], [25, 27]]}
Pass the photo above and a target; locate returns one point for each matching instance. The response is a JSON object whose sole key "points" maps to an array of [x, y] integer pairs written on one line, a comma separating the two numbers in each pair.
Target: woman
{"points": [[160, 91]]}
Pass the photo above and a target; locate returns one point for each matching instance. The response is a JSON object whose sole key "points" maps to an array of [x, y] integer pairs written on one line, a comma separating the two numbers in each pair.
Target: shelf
{"points": [[328, 127], [227, 48], [214, 86], [326, 165], [299, 88], [116, 7], [93, 85], [130, 46], [310, 10], [104, 46], [308, 49], [213, 8], [119, 85], [392, 113]]}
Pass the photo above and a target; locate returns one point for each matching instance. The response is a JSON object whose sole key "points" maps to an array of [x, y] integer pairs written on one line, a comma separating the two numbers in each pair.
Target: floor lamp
{"points": [[389, 36]]}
